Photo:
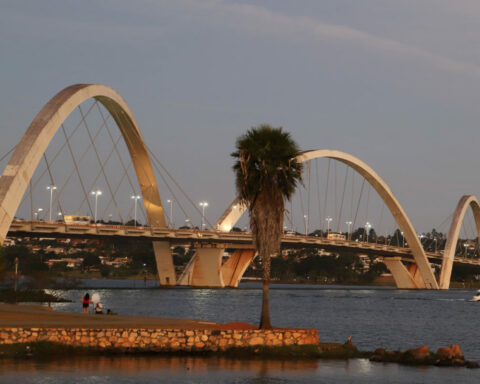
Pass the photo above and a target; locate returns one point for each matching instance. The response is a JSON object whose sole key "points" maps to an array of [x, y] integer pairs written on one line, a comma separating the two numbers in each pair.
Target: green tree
{"points": [[266, 173]]}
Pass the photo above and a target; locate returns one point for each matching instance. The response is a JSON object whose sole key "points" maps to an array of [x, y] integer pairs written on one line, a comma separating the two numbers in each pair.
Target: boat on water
{"points": [[476, 297]]}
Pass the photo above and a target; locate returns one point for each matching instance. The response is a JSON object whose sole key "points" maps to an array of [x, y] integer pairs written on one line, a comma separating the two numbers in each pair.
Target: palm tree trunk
{"points": [[265, 316]]}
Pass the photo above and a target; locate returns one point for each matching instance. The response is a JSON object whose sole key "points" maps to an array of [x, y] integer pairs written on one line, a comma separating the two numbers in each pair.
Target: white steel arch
{"points": [[30, 149], [426, 278]]}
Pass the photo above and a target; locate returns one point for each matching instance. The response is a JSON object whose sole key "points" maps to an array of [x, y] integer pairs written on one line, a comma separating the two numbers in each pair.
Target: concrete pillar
{"points": [[402, 277], [235, 266], [165, 268]]}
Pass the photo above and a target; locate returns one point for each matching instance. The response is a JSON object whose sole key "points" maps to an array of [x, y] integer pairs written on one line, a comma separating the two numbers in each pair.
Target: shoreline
{"points": [[39, 332]]}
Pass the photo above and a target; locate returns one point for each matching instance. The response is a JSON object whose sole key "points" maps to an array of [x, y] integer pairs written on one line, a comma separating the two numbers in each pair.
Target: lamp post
{"points": [[305, 217], [367, 229], [170, 201], [466, 248], [435, 241], [37, 212], [135, 198], [349, 226], [96, 194], [203, 204], [328, 220], [51, 188], [403, 240]]}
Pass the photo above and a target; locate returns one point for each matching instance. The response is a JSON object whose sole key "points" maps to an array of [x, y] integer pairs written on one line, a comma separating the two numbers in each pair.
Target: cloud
{"points": [[257, 20]]}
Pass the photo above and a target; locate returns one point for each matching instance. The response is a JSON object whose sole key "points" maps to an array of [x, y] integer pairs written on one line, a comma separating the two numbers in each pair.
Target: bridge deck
{"points": [[21, 228]]}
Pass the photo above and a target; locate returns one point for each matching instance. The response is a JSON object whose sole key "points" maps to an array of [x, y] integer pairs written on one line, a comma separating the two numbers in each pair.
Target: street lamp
{"points": [[466, 248], [36, 213], [51, 188], [349, 225], [96, 194], [367, 228], [135, 198], [435, 241], [171, 211], [306, 224], [203, 204], [328, 220], [403, 240], [188, 223]]}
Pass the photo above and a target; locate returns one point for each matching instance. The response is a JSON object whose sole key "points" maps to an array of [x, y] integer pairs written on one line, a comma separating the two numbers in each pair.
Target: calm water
{"points": [[375, 317]]}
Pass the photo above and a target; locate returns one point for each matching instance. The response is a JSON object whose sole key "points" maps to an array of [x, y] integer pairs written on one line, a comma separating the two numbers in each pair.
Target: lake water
{"points": [[375, 317]]}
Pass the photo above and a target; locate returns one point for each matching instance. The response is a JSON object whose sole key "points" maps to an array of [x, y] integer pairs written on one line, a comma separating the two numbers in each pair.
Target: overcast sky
{"points": [[395, 83]]}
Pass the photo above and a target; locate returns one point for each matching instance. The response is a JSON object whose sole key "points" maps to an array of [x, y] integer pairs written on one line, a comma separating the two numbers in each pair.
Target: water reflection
{"points": [[128, 365]]}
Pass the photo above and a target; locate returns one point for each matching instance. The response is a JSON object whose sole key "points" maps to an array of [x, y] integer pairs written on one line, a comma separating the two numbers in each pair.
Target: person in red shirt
{"points": [[86, 303]]}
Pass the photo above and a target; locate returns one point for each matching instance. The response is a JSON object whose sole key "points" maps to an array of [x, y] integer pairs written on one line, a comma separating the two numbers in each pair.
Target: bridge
{"points": [[411, 266]]}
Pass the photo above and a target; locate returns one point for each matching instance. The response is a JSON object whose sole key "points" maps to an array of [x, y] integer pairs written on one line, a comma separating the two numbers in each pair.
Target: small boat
{"points": [[476, 297]]}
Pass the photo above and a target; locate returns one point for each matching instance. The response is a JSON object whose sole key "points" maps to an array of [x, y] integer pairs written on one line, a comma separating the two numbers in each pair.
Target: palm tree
{"points": [[266, 174]]}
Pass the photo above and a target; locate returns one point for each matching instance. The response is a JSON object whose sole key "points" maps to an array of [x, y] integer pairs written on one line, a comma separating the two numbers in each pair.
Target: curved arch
{"points": [[233, 213], [30, 149], [453, 234]]}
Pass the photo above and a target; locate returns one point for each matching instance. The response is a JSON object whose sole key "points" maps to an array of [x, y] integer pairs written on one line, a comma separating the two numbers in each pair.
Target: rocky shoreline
{"points": [[444, 357]]}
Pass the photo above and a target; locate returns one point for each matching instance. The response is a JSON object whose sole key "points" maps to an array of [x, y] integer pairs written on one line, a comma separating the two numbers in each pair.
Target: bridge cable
{"points": [[335, 186], [156, 166], [177, 185], [60, 150], [302, 208], [343, 197], [308, 195], [353, 194], [8, 153], [57, 197], [92, 184], [122, 163], [101, 166], [326, 195], [319, 204], [358, 204], [76, 168]]}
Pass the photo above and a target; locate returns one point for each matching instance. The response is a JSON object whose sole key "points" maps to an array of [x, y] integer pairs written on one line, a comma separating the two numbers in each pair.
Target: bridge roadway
{"points": [[218, 239]]}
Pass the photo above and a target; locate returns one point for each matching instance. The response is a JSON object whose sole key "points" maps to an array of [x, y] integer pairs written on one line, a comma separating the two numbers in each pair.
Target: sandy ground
{"points": [[36, 316]]}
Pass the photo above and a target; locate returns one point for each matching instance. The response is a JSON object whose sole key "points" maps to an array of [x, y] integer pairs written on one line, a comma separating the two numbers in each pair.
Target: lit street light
{"points": [[367, 229], [349, 224], [403, 240], [37, 212], [171, 211], [306, 224], [328, 220], [51, 188], [135, 198], [466, 248], [96, 194], [203, 204]]}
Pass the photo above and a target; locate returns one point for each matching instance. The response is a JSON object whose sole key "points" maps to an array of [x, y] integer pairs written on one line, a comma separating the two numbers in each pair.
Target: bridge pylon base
{"points": [[401, 275]]}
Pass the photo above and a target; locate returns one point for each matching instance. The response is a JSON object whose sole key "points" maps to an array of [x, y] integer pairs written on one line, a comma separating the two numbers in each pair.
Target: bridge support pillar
{"points": [[403, 279], [165, 268], [204, 270], [235, 266]]}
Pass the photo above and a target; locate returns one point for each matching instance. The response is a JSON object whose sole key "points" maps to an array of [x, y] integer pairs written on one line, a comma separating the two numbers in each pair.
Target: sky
{"points": [[395, 83]]}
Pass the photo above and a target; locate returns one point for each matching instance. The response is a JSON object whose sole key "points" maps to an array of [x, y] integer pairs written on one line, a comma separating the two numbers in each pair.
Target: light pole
{"points": [[203, 204], [367, 228], [349, 226], [188, 223], [403, 240], [328, 220], [135, 198], [96, 194], [36, 213], [306, 224], [51, 188], [466, 248], [171, 211], [435, 241]]}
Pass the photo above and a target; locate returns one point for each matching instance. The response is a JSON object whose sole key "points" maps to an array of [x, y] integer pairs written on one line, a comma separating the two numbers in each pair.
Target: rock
{"points": [[456, 351], [376, 358], [420, 355], [471, 364], [379, 351]]}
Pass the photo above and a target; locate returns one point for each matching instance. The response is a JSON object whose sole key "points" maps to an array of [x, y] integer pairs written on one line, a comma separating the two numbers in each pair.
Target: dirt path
{"points": [[36, 316]]}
